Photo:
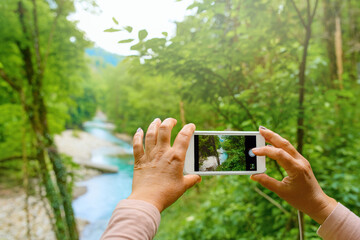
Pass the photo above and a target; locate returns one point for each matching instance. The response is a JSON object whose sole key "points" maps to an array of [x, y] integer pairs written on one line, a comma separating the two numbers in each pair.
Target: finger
{"points": [[164, 135], [182, 140], [191, 180], [278, 141], [268, 182], [283, 158], [138, 145], [151, 135]]}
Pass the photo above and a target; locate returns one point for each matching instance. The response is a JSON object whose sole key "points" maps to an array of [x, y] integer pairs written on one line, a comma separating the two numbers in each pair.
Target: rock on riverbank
{"points": [[13, 217], [13, 224]]}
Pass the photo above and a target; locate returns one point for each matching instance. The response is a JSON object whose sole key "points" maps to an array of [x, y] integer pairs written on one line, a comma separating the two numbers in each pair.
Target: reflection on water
{"points": [[104, 191]]}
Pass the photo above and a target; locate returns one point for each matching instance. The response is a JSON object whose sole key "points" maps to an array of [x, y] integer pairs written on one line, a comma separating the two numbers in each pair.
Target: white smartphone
{"points": [[224, 153]]}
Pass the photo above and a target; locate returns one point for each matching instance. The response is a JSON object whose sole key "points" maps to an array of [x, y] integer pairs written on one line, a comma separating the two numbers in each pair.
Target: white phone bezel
{"points": [[189, 160]]}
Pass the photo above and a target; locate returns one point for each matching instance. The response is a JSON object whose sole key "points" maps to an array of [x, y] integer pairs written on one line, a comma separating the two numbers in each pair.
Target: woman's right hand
{"points": [[300, 188]]}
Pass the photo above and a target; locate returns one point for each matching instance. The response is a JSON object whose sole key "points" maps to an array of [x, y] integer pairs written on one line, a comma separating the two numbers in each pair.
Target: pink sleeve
{"points": [[340, 224], [133, 219]]}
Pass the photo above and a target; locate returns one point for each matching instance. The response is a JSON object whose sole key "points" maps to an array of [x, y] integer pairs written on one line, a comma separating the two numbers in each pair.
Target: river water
{"points": [[104, 191]]}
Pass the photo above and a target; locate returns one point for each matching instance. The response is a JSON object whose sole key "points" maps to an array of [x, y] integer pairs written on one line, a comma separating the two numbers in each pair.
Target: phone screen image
{"points": [[224, 153]]}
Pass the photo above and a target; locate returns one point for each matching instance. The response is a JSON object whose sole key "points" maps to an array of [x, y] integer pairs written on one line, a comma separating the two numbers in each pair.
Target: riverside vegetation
{"points": [[292, 66]]}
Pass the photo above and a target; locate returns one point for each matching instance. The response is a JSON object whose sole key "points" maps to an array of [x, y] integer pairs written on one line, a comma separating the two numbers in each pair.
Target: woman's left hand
{"points": [[158, 170]]}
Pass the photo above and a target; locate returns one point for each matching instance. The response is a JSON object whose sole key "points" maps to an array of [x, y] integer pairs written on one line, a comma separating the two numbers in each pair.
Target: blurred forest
{"points": [[290, 65]]}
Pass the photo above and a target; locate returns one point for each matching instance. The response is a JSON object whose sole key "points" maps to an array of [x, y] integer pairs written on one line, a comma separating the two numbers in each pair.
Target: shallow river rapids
{"points": [[104, 191]]}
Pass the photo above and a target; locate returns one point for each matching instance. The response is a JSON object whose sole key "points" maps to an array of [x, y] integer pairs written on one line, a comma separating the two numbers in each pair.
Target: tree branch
{"points": [[271, 200], [15, 158], [308, 7], [279, 169], [298, 13], [217, 108], [25, 52], [252, 119], [52, 31], [232, 95], [11, 82], [36, 39], [314, 10]]}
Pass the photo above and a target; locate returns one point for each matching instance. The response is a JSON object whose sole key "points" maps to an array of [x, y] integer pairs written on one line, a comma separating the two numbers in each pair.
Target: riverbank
{"points": [[76, 144], [13, 217]]}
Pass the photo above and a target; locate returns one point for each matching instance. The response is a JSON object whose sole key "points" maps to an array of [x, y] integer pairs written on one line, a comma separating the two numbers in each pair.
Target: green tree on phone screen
{"points": [[235, 148], [208, 146]]}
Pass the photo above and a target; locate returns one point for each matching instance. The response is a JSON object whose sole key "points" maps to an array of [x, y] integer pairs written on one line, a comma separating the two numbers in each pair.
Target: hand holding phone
{"points": [[158, 169], [224, 153], [300, 187]]}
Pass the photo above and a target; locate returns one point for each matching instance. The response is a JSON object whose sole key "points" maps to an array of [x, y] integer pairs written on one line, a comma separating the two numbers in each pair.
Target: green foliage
{"points": [[231, 65], [128, 29], [208, 145], [115, 21], [142, 34], [126, 40], [235, 149], [236, 65], [110, 30], [42, 80], [226, 207]]}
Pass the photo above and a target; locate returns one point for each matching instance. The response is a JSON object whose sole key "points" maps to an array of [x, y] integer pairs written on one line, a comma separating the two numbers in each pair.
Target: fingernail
{"points": [[138, 130], [253, 177], [262, 127], [156, 119], [254, 149]]}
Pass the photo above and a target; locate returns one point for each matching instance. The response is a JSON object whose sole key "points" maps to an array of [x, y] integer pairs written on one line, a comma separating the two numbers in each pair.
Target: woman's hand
{"points": [[300, 188], [158, 171]]}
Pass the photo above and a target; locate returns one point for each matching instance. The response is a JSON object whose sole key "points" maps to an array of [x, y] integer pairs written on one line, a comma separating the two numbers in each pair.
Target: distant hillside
{"points": [[106, 57]]}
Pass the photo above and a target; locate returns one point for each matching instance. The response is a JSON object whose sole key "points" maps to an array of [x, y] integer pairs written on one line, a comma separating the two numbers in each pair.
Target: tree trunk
{"points": [[61, 174], [51, 193], [329, 29], [30, 91], [354, 36], [59, 169], [182, 113], [301, 109], [338, 51]]}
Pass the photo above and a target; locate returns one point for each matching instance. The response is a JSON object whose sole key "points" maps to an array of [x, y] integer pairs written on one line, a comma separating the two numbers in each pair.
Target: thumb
{"points": [[267, 182], [191, 180]]}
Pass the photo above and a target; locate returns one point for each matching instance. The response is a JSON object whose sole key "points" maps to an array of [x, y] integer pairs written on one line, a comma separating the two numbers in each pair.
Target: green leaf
{"points": [[112, 30], [165, 34], [115, 21], [126, 40], [128, 28], [1, 66], [142, 34], [136, 47]]}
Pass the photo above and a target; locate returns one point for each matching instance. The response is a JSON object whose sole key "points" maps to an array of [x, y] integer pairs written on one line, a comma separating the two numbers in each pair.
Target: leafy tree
{"points": [[41, 70], [235, 148], [268, 63], [208, 146]]}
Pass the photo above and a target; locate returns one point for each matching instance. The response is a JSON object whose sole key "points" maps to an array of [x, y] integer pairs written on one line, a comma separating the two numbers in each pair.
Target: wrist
{"points": [[147, 199], [324, 209]]}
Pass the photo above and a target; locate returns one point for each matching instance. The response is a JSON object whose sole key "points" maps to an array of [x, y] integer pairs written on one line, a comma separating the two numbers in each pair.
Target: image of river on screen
{"points": [[224, 153]]}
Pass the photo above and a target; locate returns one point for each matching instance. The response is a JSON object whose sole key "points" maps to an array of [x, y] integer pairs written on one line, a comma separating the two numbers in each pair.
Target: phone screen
{"points": [[224, 153]]}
